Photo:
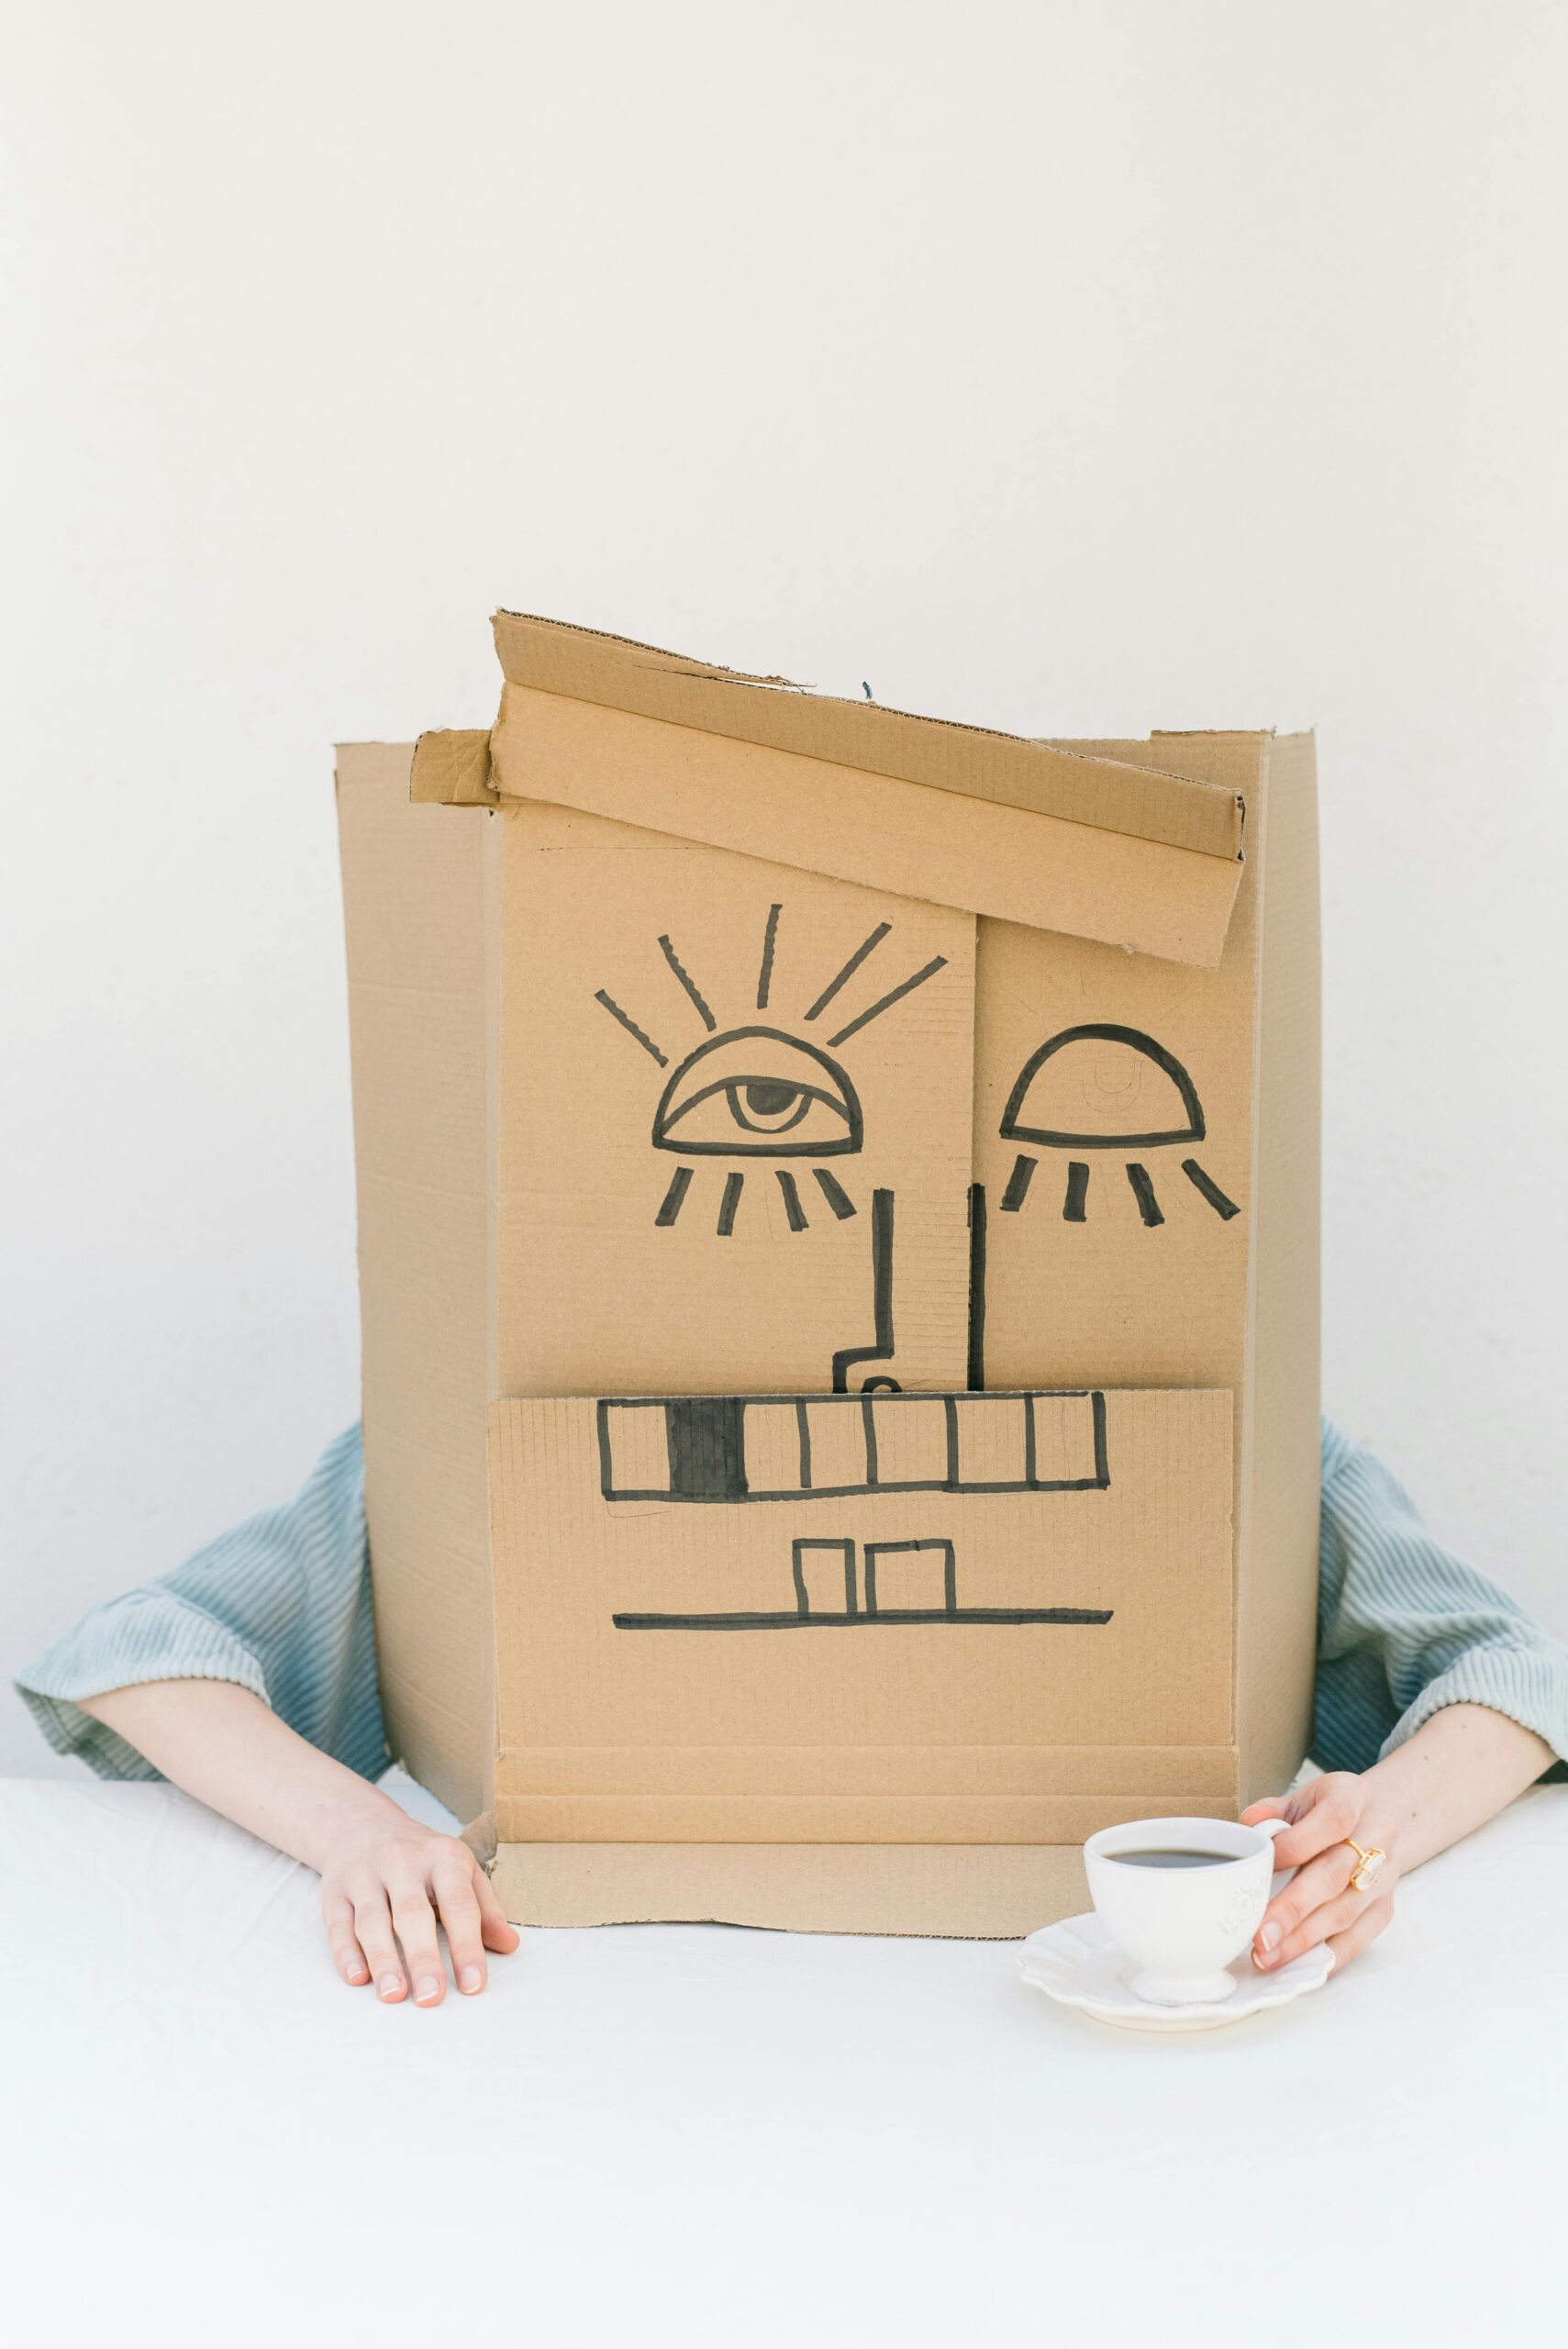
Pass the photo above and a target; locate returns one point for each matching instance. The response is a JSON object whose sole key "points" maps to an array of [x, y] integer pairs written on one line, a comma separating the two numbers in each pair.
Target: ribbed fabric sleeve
{"points": [[281, 1605], [1405, 1628]]}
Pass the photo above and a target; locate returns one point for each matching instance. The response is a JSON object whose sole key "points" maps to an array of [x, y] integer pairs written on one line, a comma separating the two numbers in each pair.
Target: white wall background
{"points": [[1073, 368]]}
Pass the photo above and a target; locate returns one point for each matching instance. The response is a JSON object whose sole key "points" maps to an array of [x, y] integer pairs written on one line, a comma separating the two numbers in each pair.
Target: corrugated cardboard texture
{"points": [[1273, 952], [1278, 1598], [452, 768], [414, 903], [724, 1256], [871, 1610], [974, 761], [984, 855], [969, 1891]]}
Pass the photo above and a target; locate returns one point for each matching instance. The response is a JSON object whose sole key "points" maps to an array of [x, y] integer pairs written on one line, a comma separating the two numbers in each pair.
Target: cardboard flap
{"points": [[1070, 781], [454, 769], [856, 1619], [982, 855]]}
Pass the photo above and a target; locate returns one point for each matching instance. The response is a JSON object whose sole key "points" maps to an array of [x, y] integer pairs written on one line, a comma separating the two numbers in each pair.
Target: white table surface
{"points": [[696, 2134]]}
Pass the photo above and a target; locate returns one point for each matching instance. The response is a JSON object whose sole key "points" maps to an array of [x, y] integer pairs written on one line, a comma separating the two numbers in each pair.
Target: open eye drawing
{"points": [[1104, 1087], [759, 1092], [756, 1093]]}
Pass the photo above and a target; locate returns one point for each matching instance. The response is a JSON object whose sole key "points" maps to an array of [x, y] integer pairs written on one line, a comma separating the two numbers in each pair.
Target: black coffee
{"points": [[1173, 1859]]}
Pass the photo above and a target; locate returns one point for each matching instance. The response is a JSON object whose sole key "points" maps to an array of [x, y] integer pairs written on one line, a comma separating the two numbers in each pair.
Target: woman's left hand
{"points": [[1320, 1903]]}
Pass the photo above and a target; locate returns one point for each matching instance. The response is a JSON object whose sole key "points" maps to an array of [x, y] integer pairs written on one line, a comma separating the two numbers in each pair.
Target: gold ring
{"points": [[1368, 1864]]}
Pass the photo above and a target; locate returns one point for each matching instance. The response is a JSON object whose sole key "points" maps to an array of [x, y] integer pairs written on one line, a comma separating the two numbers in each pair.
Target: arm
{"points": [[1464, 1765], [1439, 1701], [385, 1879]]}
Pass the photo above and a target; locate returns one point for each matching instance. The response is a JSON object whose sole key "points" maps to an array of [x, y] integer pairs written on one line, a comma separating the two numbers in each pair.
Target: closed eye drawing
{"points": [[754, 1092], [1103, 1087]]}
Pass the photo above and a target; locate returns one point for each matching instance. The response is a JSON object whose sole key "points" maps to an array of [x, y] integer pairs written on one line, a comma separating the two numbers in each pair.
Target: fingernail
{"points": [[1269, 1937], [353, 1971], [429, 1990], [390, 1986], [472, 1978]]}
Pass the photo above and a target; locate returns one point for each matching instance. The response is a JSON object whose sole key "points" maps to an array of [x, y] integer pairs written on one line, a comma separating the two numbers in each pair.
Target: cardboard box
{"points": [[839, 1248]]}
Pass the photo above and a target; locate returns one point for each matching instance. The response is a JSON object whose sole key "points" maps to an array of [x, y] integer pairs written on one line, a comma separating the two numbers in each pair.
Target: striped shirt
{"points": [[282, 1606]]}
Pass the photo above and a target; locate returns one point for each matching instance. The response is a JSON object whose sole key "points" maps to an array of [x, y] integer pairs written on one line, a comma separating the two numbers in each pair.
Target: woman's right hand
{"points": [[382, 1898]]}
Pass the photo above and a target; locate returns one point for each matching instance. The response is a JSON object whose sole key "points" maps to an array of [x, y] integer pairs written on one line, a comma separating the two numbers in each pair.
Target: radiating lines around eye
{"points": [[673, 959], [733, 1186], [613, 1007], [1143, 1192], [1018, 1189], [765, 976], [1209, 1190], [1075, 1208], [885, 1003], [793, 1208], [669, 1208], [851, 967], [834, 1193]]}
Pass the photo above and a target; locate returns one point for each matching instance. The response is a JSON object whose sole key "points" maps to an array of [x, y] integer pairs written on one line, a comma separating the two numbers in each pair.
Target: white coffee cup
{"points": [[1182, 1924]]}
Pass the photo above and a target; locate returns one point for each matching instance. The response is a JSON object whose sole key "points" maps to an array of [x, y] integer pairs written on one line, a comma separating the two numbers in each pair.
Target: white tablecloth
{"points": [[697, 2135]]}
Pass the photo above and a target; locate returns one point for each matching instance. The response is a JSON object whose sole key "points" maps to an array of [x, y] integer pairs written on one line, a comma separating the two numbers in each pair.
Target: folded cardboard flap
{"points": [[974, 761], [967, 1892], [984, 855]]}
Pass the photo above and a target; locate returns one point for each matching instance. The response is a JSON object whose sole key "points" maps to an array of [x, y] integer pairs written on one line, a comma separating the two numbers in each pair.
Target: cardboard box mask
{"points": [[838, 1207]]}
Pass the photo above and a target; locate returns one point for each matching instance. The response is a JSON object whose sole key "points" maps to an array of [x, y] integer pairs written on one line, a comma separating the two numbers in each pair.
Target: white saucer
{"points": [[1078, 1964]]}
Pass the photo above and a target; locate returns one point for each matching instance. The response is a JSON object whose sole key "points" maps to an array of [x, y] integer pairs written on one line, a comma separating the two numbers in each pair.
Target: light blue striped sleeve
{"points": [[1405, 1628], [281, 1605]]}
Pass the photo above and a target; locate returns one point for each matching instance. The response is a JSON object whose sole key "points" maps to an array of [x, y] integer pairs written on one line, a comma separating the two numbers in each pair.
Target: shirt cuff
{"points": [[145, 1635], [1527, 1683]]}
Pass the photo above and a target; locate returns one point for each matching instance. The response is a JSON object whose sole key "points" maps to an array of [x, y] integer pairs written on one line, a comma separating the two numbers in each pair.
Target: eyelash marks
{"points": [[838, 1199], [757, 1092]]}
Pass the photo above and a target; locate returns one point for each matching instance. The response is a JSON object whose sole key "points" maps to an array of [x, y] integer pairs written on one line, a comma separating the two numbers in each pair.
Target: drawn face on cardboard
{"points": [[770, 1069]]}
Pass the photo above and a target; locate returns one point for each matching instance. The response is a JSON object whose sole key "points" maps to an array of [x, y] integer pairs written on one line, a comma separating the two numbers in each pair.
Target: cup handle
{"points": [[1271, 1828]]}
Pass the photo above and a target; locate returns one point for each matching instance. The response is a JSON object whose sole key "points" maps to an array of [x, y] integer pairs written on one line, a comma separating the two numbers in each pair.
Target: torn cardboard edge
{"points": [[971, 762]]}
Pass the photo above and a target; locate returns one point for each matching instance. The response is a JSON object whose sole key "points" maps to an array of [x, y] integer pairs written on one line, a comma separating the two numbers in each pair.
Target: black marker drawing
{"points": [[895, 994], [670, 1207], [630, 1024], [794, 1211], [1143, 1192], [834, 1193], [851, 967], [872, 1598], [757, 1093], [1018, 1189], [974, 1370], [725, 1449], [703, 1014], [1061, 1101], [765, 976], [882, 1349]]}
